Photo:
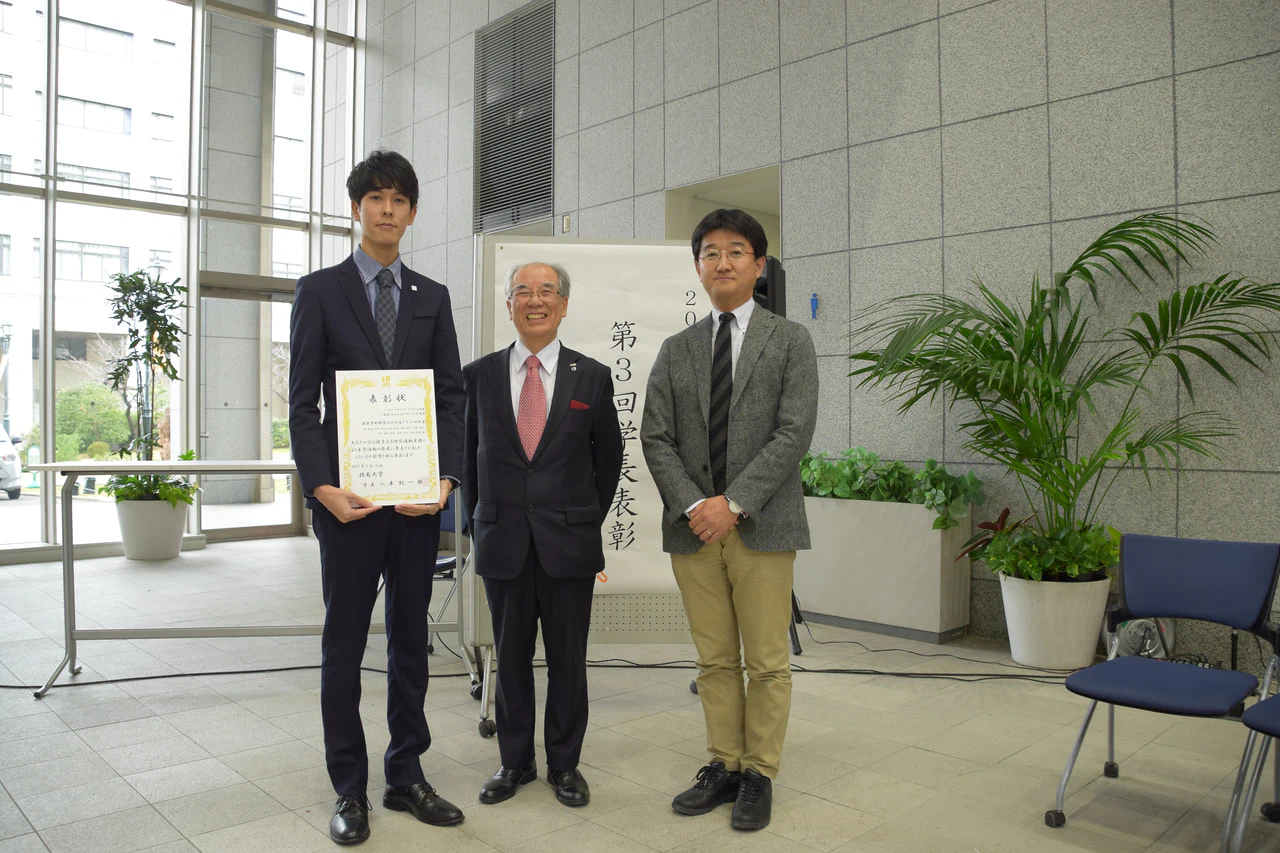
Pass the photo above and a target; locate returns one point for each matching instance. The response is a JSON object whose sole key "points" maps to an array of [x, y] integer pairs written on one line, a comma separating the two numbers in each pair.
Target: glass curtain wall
{"points": [[186, 140]]}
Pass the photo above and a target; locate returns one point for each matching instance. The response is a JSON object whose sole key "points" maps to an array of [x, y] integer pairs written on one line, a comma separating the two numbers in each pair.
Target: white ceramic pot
{"points": [[1053, 625], [151, 530]]}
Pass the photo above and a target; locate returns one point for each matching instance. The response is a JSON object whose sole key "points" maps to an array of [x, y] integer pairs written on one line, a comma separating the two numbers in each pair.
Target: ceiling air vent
{"points": [[514, 116]]}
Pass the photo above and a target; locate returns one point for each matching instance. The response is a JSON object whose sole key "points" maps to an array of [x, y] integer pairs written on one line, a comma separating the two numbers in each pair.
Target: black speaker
{"points": [[771, 288]]}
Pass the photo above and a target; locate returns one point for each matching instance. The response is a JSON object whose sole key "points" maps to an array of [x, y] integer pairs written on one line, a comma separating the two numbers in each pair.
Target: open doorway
{"points": [[758, 192]]}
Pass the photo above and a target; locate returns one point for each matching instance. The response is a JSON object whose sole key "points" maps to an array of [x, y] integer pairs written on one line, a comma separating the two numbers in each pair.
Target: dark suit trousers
{"points": [[352, 559], [564, 606]]}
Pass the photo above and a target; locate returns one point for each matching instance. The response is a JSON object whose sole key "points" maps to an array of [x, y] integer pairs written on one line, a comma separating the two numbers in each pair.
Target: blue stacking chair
{"points": [[1230, 583]]}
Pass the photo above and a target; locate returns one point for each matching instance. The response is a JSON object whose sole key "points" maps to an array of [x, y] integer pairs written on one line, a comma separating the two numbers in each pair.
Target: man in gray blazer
{"points": [[730, 409]]}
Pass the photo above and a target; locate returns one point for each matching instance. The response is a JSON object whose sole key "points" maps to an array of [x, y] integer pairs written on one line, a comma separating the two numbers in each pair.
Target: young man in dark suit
{"points": [[371, 312], [730, 409], [543, 453]]}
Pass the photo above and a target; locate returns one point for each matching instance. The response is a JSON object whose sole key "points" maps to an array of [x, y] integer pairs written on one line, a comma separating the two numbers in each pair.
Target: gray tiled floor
{"points": [[235, 762]]}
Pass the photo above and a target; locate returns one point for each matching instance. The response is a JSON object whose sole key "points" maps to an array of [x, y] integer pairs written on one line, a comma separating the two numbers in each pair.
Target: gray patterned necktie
{"points": [[384, 311]]}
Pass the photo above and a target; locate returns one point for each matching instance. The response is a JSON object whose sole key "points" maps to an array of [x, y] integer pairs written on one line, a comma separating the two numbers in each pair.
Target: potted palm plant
{"points": [[1027, 386], [152, 508]]}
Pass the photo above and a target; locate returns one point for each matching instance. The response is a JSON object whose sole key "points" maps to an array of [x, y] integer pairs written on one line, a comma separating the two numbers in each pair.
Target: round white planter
{"points": [[1053, 625], [151, 530]]}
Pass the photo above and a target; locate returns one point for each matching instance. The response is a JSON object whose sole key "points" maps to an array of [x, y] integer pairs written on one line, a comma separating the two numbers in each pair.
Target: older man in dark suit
{"points": [[729, 412], [542, 457], [371, 312]]}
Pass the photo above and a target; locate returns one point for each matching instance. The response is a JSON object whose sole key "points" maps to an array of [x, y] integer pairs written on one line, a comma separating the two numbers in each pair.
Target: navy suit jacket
{"points": [[332, 328], [558, 499]]}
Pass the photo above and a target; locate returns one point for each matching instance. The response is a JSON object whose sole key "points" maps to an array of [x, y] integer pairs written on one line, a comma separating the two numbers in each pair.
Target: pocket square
{"points": [[578, 404]]}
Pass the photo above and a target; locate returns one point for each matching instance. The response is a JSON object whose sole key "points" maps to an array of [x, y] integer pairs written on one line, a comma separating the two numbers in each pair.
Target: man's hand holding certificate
{"points": [[387, 452]]}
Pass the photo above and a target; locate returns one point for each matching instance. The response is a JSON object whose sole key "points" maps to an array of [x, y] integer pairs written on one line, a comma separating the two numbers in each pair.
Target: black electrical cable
{"points": [[271, 670], [607, 663], [922, 654], [1038, 676]]}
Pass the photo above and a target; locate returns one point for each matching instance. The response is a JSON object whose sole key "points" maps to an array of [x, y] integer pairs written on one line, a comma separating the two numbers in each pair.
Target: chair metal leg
{"points": [[1275, 781], [1246, 805], [488, 727], [1055, 817], [1271, 810], [1111, 770], [1233, 805]]}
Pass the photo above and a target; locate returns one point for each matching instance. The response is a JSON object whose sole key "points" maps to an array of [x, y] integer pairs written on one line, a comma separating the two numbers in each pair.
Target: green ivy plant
{"points": [[1022, 551], [859, 474], [151, 487], [1079, 554]]}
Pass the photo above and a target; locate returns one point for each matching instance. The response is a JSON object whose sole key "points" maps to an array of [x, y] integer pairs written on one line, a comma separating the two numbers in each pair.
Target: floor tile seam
{"points": [[14, 800], [89, 750], [145, 805], [1129, 795], [284, 809], [985, 765], [1052, 727], [1128, 834], [711, 828], [154, 803], [142, 801]]}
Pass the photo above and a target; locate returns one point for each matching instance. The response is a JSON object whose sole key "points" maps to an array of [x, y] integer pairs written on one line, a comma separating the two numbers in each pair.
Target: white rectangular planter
{"points": [[882, 567]]}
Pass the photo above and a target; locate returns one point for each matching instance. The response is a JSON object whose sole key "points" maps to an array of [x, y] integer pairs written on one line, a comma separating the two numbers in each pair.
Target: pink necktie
{"points": [[533, 408]]}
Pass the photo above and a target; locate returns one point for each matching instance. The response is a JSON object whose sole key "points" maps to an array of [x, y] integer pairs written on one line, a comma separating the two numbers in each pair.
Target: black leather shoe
{"points": [[502, 785], [752, 809], [422, 801], [712, 786], [571, 788], [350, 821]]}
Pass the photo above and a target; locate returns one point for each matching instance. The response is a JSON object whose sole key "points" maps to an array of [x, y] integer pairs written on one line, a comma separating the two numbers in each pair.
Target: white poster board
{"points": [[625, 299]]}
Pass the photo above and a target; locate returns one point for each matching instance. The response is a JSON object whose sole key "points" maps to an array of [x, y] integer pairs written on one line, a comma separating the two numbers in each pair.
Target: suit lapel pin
{"points": [[414, 288], [573, 367]]}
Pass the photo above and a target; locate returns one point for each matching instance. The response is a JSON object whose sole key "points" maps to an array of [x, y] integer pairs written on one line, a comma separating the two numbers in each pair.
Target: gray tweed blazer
{"points": [[771, 422]]}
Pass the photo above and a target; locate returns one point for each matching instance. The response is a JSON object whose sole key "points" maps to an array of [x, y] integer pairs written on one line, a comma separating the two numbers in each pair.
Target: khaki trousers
{"points": [[732, 593]]}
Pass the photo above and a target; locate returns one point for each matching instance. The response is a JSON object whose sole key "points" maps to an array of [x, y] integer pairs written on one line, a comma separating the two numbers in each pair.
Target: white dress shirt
{"points": [[737, 328]]}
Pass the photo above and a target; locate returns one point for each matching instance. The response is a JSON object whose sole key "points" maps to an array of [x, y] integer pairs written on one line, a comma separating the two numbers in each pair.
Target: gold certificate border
{"points": [[427, 384]]}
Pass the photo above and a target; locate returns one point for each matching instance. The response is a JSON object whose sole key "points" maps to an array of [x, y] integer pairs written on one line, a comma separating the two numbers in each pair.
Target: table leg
{"points": [[68, 588]]}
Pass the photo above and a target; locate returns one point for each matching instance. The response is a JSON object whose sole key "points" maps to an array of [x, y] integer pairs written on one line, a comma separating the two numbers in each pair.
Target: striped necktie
{"points": [[721, 395]]}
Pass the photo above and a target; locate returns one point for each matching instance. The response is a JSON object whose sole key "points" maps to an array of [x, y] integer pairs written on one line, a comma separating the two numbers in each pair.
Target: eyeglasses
{"points": [[524, 294], [713, 256]]}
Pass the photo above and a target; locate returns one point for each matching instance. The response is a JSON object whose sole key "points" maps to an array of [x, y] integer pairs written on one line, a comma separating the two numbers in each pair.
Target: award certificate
{"points": [[387, 449]]}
